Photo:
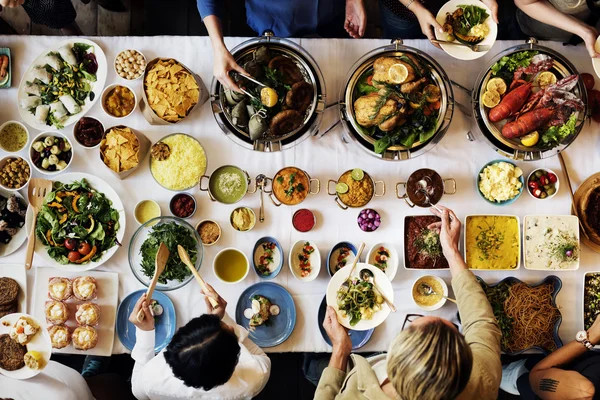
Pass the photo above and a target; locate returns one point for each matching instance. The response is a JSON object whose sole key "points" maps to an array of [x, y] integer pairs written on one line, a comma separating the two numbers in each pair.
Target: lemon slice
{"points": [[398, 73], [33, 359], [497, 84], [358, 174], [491, 98], [545, 78], [341, 188], [530, 139], [268, 96]]}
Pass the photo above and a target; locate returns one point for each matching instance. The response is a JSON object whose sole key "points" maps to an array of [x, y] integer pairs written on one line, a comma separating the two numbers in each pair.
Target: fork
{"points": [[477, 48]]}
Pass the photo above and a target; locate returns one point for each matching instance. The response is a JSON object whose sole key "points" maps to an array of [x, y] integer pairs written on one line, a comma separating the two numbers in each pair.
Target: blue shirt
{"points": [[286, 18]]}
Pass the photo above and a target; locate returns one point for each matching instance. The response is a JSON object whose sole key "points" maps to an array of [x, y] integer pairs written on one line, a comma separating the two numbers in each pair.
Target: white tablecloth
{"points": [[324, 159]]}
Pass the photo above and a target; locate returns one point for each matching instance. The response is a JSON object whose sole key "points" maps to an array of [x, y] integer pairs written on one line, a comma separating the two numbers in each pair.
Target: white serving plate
{"points": [[393, 261], [381, 280], [17, 272], [518, 238], [40, 342], [462, 52], [97, 86], [108, 300], [315, 261], [575, 230], [17, 240], [102, 187]]}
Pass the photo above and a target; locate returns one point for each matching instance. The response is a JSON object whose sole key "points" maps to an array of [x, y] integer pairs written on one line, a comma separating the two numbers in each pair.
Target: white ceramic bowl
{"points": [[107, 91], [142, 71], [251, 212], [247, 265], [556, 185], [393, 261], [41, 137], [77, 124], [138, 205], [22, 126], [315, 261], [437, 305], [215, 222], [3, 162]]}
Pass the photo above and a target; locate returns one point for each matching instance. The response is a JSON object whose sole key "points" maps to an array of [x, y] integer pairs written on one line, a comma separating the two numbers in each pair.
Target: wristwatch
{"points": [[582, 337]]}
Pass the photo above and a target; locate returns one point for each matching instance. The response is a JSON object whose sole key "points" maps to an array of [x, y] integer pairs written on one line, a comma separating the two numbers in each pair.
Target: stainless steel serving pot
{"points": [[492, 131], [354, 133], [312, 74]]}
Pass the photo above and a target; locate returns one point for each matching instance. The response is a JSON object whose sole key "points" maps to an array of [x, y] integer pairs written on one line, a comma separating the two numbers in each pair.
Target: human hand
{"points": [[448, 229], [493, 5], [11, 3], [147, 323], [427, 22], [589, 36], [224, 63], [337, 333], [219, 309], [356, 18]]}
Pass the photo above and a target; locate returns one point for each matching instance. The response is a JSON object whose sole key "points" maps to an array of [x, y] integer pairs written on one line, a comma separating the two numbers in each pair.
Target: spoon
{"points": [[185, 258], [427, 290], [367, 275], [260, 182], [428, 201], [160, 262]]}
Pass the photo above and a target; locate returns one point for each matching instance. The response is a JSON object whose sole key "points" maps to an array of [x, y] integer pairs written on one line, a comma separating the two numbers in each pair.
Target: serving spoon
{"points": [[160, 262], [260, 183], [427, 290], [185, 258], [37, 191], [367, 275]]}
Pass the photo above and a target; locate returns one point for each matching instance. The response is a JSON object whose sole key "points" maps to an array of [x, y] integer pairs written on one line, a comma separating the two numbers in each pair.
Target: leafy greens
{"points": [[556, 134], [509, 64]]}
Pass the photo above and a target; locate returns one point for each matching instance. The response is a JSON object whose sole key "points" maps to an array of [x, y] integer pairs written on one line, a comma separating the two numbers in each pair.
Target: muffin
{"points": [[84, 338], [56, 312], [60, 336], [24, 330], [59, 289], [85, 288], [87, 314]]}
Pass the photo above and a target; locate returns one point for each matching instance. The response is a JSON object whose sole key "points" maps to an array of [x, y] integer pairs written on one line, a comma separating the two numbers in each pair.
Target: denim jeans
{"points": [[395, 27]]}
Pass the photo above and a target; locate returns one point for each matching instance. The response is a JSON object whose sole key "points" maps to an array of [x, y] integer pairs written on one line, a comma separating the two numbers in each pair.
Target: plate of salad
{"points": [[62, 84], [466, 22], [80, 225]]}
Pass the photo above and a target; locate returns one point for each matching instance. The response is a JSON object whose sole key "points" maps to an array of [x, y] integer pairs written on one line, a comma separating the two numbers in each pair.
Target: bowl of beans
{"points": [[183, 205], [130, 64], [15, 173]]}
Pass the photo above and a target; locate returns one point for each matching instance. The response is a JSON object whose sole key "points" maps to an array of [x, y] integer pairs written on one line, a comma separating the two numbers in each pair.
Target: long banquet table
{"points": [[325, 158]]}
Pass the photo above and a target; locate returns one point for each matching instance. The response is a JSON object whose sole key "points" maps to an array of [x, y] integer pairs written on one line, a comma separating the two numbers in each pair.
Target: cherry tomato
{"points": [[436, 105], [537, 192], [70, 244], [370, 80], [74, 256], [84, 248], [588, 81], [552, 178], [544, 180], [533, 185], [427, 111]]}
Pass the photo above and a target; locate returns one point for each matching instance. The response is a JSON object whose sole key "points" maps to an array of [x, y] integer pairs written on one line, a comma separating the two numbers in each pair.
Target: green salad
{"points": [[77, 224], [358, 299]]}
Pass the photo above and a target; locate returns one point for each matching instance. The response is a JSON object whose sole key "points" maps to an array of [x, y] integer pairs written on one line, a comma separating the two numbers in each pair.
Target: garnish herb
{"points": [[489, 241], [428, 244]]}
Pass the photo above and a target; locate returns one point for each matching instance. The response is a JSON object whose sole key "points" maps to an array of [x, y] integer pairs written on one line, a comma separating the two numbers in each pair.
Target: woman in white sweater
{"points": [[211, 357]]}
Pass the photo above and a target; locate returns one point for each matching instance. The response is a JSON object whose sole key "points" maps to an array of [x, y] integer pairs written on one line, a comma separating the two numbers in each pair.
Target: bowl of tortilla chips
{"points": [[122, 149], [171, 91]]}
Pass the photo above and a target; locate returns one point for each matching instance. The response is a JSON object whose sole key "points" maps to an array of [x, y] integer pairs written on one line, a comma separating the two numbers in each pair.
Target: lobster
{"points": [[528, 122], [511, 103]]}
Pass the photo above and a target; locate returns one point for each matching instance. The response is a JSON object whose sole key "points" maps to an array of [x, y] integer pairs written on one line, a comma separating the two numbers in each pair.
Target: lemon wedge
{"points": [[545, 78], [398, 73], [33, 359], [497, 84], [268, 96], [530, 139], [490, 98]]}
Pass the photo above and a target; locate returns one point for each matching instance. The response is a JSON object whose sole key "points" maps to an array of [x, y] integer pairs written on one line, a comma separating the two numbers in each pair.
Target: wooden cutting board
{"points": [[579, 195]]}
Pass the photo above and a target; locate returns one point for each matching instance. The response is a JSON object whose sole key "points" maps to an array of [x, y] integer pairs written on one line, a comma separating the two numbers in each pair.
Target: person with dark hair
{"points": [[209, 357], [55, 14]]}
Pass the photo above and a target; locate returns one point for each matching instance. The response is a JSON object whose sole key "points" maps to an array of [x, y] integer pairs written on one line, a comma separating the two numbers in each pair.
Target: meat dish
{"points": [[423, 249]]}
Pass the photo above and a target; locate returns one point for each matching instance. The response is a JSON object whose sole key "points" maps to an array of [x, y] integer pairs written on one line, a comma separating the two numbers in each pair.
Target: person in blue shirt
{"points": [[286, 18]]}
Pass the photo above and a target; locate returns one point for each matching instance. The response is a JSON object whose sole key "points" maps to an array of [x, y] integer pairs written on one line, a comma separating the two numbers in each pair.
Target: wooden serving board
{"points": [[579, 194]]}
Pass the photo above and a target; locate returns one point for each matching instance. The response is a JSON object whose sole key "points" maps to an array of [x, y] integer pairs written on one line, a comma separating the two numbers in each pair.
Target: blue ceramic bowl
{"points": [[499, 203], [331, 265], [277, 270], [358, 338]]}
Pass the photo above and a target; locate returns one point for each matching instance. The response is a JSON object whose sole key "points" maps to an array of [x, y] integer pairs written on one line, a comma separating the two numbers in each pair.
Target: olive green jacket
{"points": [[481, 333]]}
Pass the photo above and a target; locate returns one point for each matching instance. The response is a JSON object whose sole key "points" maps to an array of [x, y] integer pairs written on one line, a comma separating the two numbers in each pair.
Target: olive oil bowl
{"points": [[231, 265]]}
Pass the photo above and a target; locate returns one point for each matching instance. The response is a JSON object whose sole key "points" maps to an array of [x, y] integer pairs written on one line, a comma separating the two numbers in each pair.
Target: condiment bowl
{"points": [[301, 213], [277, 261], [3, 162], [294, 262], [501, 203], [180, 196], [437, 305], [139, 204], [143, 70], [253, 223], [332, 263], [199, 224], [76, 127], [246, 265], [22, 126], [107, 91], [392, 262], [548, 171], [41, 137]]}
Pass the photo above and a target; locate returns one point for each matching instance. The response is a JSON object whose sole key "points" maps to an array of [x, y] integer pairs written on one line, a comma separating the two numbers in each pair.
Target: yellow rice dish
{"points": [[184, 166], [492, 242]]}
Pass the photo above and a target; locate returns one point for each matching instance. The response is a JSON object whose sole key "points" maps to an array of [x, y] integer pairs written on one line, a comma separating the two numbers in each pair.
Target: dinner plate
{"points": [[100, 186], [97, 86], [164, 325], [107, 300], [596, 61], [393, 261], [381, 281], [462, 52], [17, 272], [40, 343], [279, 327], [17, 240], [358, 338]]}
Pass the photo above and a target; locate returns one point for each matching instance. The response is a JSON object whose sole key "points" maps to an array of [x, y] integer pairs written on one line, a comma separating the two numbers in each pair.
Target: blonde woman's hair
{"points": [[429, 362]]}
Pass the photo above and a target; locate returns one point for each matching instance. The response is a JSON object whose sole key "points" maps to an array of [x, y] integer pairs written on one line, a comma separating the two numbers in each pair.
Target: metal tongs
{"points": [[261, 85]]}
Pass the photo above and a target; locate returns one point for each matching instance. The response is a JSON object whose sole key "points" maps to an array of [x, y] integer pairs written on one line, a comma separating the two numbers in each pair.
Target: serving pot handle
{"points": [[266, 184], [274, 200], [249, 180], [453, 185], [329, 182], [404, 196], [310, 183], [382, 188], [200, 183], [340, 204]]}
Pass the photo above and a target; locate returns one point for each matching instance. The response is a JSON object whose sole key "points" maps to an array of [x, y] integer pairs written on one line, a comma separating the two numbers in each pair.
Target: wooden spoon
{"points": [[566, 172], [36, 192], [162, 256], [185, 257]]}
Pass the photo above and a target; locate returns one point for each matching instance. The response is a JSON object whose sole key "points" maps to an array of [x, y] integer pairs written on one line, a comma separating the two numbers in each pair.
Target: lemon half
{"points": [[33, 359], [398, 73], [268, 96], [490, 98], [497, 84], [530, 139], [545, 78]]}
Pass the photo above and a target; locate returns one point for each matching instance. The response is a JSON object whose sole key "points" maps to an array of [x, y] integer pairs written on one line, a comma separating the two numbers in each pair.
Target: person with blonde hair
{"points": [[429, 359]]}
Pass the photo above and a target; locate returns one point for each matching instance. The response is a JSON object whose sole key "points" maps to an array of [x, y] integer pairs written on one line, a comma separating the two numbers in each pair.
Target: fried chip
{"points": [[120, 149]]}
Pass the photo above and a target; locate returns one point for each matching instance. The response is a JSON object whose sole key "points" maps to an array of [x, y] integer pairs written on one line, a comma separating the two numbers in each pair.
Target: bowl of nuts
{"points": [[15, 173], [51, 153], [130, 64]]}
